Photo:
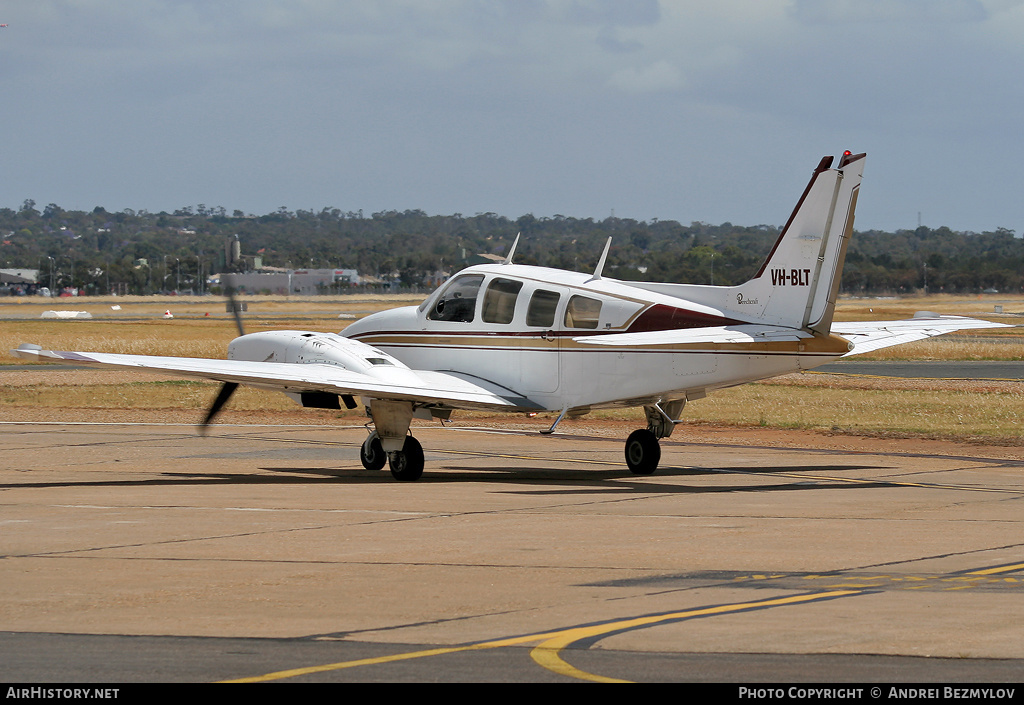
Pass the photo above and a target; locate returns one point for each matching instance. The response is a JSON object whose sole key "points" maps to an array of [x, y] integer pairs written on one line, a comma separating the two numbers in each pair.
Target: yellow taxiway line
{"points": [[547, 653]]}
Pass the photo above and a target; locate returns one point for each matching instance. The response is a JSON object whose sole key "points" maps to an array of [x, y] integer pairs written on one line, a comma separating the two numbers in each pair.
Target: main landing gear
{"points": [[405, 464], [390, 441], [372, 453], [643, 451]]}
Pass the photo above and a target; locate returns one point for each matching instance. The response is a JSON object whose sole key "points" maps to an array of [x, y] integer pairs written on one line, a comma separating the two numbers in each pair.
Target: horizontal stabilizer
{"points": [[875, 335]]}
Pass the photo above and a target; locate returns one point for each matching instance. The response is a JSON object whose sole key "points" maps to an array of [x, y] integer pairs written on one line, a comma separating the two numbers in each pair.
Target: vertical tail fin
{"points": [[798, 283]]}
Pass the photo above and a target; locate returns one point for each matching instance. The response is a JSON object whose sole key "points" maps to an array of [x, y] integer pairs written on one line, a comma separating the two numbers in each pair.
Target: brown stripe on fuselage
{"points": [[664, 317]]}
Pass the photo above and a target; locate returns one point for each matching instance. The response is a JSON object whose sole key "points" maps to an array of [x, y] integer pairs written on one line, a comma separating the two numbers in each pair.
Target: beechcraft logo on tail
{"points": [[791, 277]]}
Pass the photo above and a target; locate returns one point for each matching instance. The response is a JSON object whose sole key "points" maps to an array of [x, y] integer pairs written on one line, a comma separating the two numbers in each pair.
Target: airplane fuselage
{"points": [[524, 328]]}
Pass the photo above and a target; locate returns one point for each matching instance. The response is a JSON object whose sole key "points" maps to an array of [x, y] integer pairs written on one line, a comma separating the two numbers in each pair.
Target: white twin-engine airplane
{"points": [[516, 338]]}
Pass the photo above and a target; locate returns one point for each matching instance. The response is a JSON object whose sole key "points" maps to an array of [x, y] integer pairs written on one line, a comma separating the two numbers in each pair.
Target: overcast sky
{"points": [[679, 109]]}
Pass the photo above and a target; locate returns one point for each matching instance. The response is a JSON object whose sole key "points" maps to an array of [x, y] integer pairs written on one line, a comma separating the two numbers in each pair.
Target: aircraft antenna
{"points": [[600, 262], [512, 250]]}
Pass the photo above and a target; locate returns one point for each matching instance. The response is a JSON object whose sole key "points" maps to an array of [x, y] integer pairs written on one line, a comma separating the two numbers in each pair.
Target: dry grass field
{"points": [[978, 411]]}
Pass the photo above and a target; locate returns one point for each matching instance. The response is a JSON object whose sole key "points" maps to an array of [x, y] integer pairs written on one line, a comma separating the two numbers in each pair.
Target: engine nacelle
{"points": [[310, 348], [302, 347]]}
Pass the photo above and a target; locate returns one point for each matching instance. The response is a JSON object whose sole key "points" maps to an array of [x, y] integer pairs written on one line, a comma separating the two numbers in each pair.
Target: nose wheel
{"points": [[643, 452]]}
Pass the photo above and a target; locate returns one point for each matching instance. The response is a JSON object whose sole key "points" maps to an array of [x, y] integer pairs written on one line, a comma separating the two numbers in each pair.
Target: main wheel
{"points": [[372, 454], [643, 452], [407, 464]]}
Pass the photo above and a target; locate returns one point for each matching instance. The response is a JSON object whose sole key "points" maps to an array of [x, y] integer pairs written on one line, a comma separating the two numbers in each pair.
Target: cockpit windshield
{"points": [[457, 302]]}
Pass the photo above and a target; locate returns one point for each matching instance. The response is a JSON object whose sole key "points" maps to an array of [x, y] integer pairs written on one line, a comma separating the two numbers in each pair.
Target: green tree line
{"points": [[140, 252]]}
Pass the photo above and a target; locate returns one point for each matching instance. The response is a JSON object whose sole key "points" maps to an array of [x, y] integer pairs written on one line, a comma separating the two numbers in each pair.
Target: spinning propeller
{"points": [[228, 388]]}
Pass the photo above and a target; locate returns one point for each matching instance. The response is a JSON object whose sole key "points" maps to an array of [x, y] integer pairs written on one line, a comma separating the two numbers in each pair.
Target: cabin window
{"points": [[542, 308], [582, 312], [500, 301], [458, 300]]}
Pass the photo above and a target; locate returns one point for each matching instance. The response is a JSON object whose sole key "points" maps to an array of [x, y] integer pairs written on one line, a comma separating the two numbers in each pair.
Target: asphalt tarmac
{"points": [[144, 553]]}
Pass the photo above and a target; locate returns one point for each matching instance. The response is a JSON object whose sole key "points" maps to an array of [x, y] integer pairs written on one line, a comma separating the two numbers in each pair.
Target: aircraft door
{"points": [[540, 364]]}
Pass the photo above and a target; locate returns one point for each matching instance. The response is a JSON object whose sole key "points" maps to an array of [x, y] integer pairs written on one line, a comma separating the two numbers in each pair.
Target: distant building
{"points": [[19, 282], [484, 258], [19, 276], [303, 282]]}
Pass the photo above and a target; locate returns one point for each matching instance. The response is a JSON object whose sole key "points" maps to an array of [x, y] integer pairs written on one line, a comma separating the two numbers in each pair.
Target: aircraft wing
{"points": [[400, 384], [874, 335], [742, 333]]}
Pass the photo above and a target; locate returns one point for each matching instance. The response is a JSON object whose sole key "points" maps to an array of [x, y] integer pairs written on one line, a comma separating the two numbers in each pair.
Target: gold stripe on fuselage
{"points": [[831, 346]]}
